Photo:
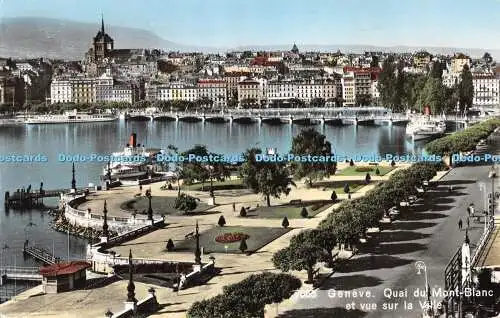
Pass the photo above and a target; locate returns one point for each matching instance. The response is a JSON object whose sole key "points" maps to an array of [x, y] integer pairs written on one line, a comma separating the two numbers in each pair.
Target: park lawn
{"points": [[228, 184], [258, 238], [160, 205], [338, 185], [291, 211], [351, 171]]}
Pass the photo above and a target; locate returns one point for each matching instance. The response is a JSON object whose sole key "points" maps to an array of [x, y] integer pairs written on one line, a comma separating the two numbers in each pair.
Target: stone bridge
{"points": [[330, 116]]}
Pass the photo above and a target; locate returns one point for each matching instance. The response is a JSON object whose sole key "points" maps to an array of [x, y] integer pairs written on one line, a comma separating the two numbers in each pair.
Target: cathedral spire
{"points": [[102, 23]]}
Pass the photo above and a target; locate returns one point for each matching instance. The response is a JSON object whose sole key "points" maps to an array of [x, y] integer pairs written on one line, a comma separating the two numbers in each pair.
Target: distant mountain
{"points": [[473, 52], [42, 37], [53, 38]]}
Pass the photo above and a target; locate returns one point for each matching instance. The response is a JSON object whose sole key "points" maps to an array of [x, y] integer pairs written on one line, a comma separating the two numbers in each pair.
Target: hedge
{"points": [[462, 141]]}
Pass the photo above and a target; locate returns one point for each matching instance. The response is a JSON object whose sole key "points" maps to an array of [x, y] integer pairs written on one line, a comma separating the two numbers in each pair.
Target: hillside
{"points": [[36, 37]]}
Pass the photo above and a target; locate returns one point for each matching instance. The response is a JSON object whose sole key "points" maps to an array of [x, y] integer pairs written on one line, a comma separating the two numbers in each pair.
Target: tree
{"points": [[377, 171], [195, 170], [386, 82], [243, 245], [170, 245], [267, 178], [323, 238], [433, 95], [285, 222], [393, 163], [368, 178], [334, 196], [351, 163], [466, 89], [363, 100], [185, 203], [300, 257], [243, 212], [374, 62], [347, 189], [304, 213], [222, 221], [437, 69], [311, 143]]}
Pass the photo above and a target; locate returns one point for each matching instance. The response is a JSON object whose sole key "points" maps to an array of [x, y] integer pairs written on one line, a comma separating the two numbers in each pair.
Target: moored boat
{"points": [[69, 118]]}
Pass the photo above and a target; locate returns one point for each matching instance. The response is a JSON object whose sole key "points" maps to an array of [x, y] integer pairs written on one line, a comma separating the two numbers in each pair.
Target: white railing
{"points": [[482, 243]]}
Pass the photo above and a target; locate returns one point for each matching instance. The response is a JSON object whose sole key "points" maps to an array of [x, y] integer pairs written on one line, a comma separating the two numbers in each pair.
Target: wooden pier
{"points": [[25, 198], [40, 254], [19, 273]]}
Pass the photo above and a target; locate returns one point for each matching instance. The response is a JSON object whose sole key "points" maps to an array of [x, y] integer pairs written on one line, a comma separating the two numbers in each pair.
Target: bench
{"points": [[295, 201], [189, 235]]}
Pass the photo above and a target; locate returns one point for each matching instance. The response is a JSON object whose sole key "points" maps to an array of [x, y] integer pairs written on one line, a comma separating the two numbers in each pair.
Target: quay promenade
{"points": [[152, 246]]}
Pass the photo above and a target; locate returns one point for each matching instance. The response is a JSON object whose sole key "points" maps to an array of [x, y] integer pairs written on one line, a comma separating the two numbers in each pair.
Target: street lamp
{"points": [[492, 175], [420, 265]]}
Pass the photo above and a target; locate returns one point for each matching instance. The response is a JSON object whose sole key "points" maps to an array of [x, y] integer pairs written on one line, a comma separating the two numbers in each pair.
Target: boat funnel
{"points": [[427, 110], [133, 140]]}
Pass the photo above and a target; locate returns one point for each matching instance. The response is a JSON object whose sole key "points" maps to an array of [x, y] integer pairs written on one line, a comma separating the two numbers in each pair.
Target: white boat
{"points": [[134, 162], [70, 117], [424, 128]]}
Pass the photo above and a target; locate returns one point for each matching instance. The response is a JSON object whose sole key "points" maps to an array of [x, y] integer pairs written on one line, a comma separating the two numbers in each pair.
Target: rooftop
{"points": [[65, 268]]}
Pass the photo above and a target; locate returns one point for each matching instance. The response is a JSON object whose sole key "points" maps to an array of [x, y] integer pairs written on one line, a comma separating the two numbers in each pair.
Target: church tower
{"points": [[102, 44]]}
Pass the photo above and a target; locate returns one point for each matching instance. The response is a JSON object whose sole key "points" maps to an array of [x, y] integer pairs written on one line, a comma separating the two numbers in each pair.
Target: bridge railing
{"points": [[19, 270]]}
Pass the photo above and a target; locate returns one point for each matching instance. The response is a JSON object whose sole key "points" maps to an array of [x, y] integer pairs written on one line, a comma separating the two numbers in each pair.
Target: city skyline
{"points": [[224, 24]]}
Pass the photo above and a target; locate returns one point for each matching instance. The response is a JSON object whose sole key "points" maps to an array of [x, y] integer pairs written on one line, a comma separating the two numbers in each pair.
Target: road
{"points": [[384, 274]]}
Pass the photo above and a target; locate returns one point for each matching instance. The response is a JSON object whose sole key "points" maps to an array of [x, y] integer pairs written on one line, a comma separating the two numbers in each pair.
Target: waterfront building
{"points": [[348, 89], [486, 89], [232, 79], [281, 91], [61, 90], [84, 90], [104, 88], [8, 90], [251, 89], [214, 90]]}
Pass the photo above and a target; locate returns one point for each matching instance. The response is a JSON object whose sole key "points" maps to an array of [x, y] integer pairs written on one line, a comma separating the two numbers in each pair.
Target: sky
{"points": [[232, 23]]}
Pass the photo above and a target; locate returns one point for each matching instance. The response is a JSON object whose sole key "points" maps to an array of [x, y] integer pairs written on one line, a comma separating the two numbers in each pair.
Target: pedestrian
{"points": [[234, 207], [460, 224]]}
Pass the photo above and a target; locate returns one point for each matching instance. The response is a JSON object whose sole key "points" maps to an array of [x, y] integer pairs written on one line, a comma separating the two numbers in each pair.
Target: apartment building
{"points": [[61, 91], [84, 90], [281, 90], [486, 89], [251, 89], [214, 90]]}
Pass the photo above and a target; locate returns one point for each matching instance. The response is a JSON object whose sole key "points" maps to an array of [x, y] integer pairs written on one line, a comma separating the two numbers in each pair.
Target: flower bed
{"points": [[364, 169], [231, 237]]}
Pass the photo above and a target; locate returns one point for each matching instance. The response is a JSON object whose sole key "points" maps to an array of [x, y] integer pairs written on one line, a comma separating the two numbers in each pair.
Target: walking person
{"points": [[234, 207], [460, 224]]}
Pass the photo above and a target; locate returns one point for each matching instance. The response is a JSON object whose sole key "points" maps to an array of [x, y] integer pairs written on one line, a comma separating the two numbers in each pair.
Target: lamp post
{"points": [[420, 265], [492, 175], [150, 209]]}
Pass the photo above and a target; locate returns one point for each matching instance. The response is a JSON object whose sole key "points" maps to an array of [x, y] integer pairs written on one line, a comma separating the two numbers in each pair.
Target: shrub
{"points": [[393, 163], [304, 213], [334, 196], [185, 203], [170, 245], [222, 221], [377, 171], [243, 212], [243, 245], [346, 188], [231, 237], [363, 169], [368, 178], [351, 163], [285, 222]]}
